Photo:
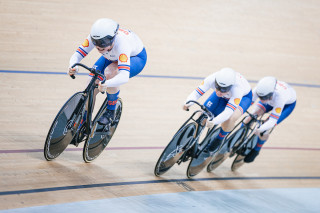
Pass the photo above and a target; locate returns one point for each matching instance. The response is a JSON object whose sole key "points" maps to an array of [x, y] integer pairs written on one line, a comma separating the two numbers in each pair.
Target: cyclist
{"points": [[277, 97], [231, 97], [123, 57]]}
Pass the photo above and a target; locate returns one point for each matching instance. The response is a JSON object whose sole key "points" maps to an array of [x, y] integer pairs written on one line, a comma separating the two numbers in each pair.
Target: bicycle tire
{"points": [[197, 164], [237, 162], [237, 140], [64, 126], [224, 151], [217, 160], [175, 149], [100, 136], [243, 152]]}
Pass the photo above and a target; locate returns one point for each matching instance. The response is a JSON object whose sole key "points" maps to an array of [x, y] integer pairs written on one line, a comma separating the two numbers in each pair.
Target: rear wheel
{"points": [[64, 126], [101, 135], [199, 162], [175, 149], [217, 160]]}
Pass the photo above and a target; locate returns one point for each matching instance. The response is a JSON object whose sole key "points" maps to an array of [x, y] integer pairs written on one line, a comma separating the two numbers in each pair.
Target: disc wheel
{"points": [[199, 162], [175, 149], [64, 126], [101, 135]]}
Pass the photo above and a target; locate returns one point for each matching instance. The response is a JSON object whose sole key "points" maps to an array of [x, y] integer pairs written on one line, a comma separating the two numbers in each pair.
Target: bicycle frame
{"points": [[88, 92], [193, 145], [251, 125]]}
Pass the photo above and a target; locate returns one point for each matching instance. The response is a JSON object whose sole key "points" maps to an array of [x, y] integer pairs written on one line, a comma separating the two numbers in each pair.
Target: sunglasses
{"points": [[222, 89], [266, 97], [103, 42]]}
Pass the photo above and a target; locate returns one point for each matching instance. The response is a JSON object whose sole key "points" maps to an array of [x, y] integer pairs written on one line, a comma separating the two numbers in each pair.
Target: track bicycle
{"points": [[73, 124], [185, 143]]}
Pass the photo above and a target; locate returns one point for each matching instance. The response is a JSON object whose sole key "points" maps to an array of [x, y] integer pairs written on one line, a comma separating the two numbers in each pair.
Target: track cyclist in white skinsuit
{"points": [[123, 57], [232, 97], [277, 97]]}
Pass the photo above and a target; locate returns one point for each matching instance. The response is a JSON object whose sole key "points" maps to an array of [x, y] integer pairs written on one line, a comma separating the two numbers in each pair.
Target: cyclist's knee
{"points": [[111, 70], [229, 124]]}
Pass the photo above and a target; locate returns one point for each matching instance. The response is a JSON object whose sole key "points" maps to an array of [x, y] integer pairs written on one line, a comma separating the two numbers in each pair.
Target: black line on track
{"points": [[62, 188]]}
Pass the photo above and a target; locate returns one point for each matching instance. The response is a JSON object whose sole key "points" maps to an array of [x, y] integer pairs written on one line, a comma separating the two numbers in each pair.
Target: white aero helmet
{"points": [[266, 87], [103, 32], [225, 78]]}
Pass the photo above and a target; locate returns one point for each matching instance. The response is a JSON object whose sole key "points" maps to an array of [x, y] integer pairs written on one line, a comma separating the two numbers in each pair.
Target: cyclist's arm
{"points": [[82, 51], [223, 116], [231, 106], [205, 85], [124, 68], [121, 78], [273, 118], [256, 111], [75, 58]]}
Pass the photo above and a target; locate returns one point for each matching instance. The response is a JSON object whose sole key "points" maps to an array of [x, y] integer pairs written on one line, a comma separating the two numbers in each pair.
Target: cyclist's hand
{"points": [[257, 131], [102, 87], [210, 123], [186, 106], [73, 71]]}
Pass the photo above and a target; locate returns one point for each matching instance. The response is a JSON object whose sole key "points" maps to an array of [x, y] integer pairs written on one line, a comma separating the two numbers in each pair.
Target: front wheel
{"points": [[243, 152], [101, 135], [230, 141], [175, 149], [64, 126], [236, 140], [237, 162]]}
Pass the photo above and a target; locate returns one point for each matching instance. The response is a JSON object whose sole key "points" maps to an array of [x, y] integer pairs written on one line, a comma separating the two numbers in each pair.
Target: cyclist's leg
{"points": [[244, 104], [287, 110], [112, 94], [261, 108], [215, 105], [228, 125], [137, 63], [101, 65]]}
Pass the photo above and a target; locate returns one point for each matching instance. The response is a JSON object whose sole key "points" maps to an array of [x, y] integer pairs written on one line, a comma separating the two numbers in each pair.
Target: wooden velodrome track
{"points": [[182, 39]]}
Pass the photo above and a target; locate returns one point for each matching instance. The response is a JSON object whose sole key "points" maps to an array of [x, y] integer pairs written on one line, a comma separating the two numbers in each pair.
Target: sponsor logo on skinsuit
{"points": [[237, 101], [123, 58], [85, 43], [278, 110]]}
